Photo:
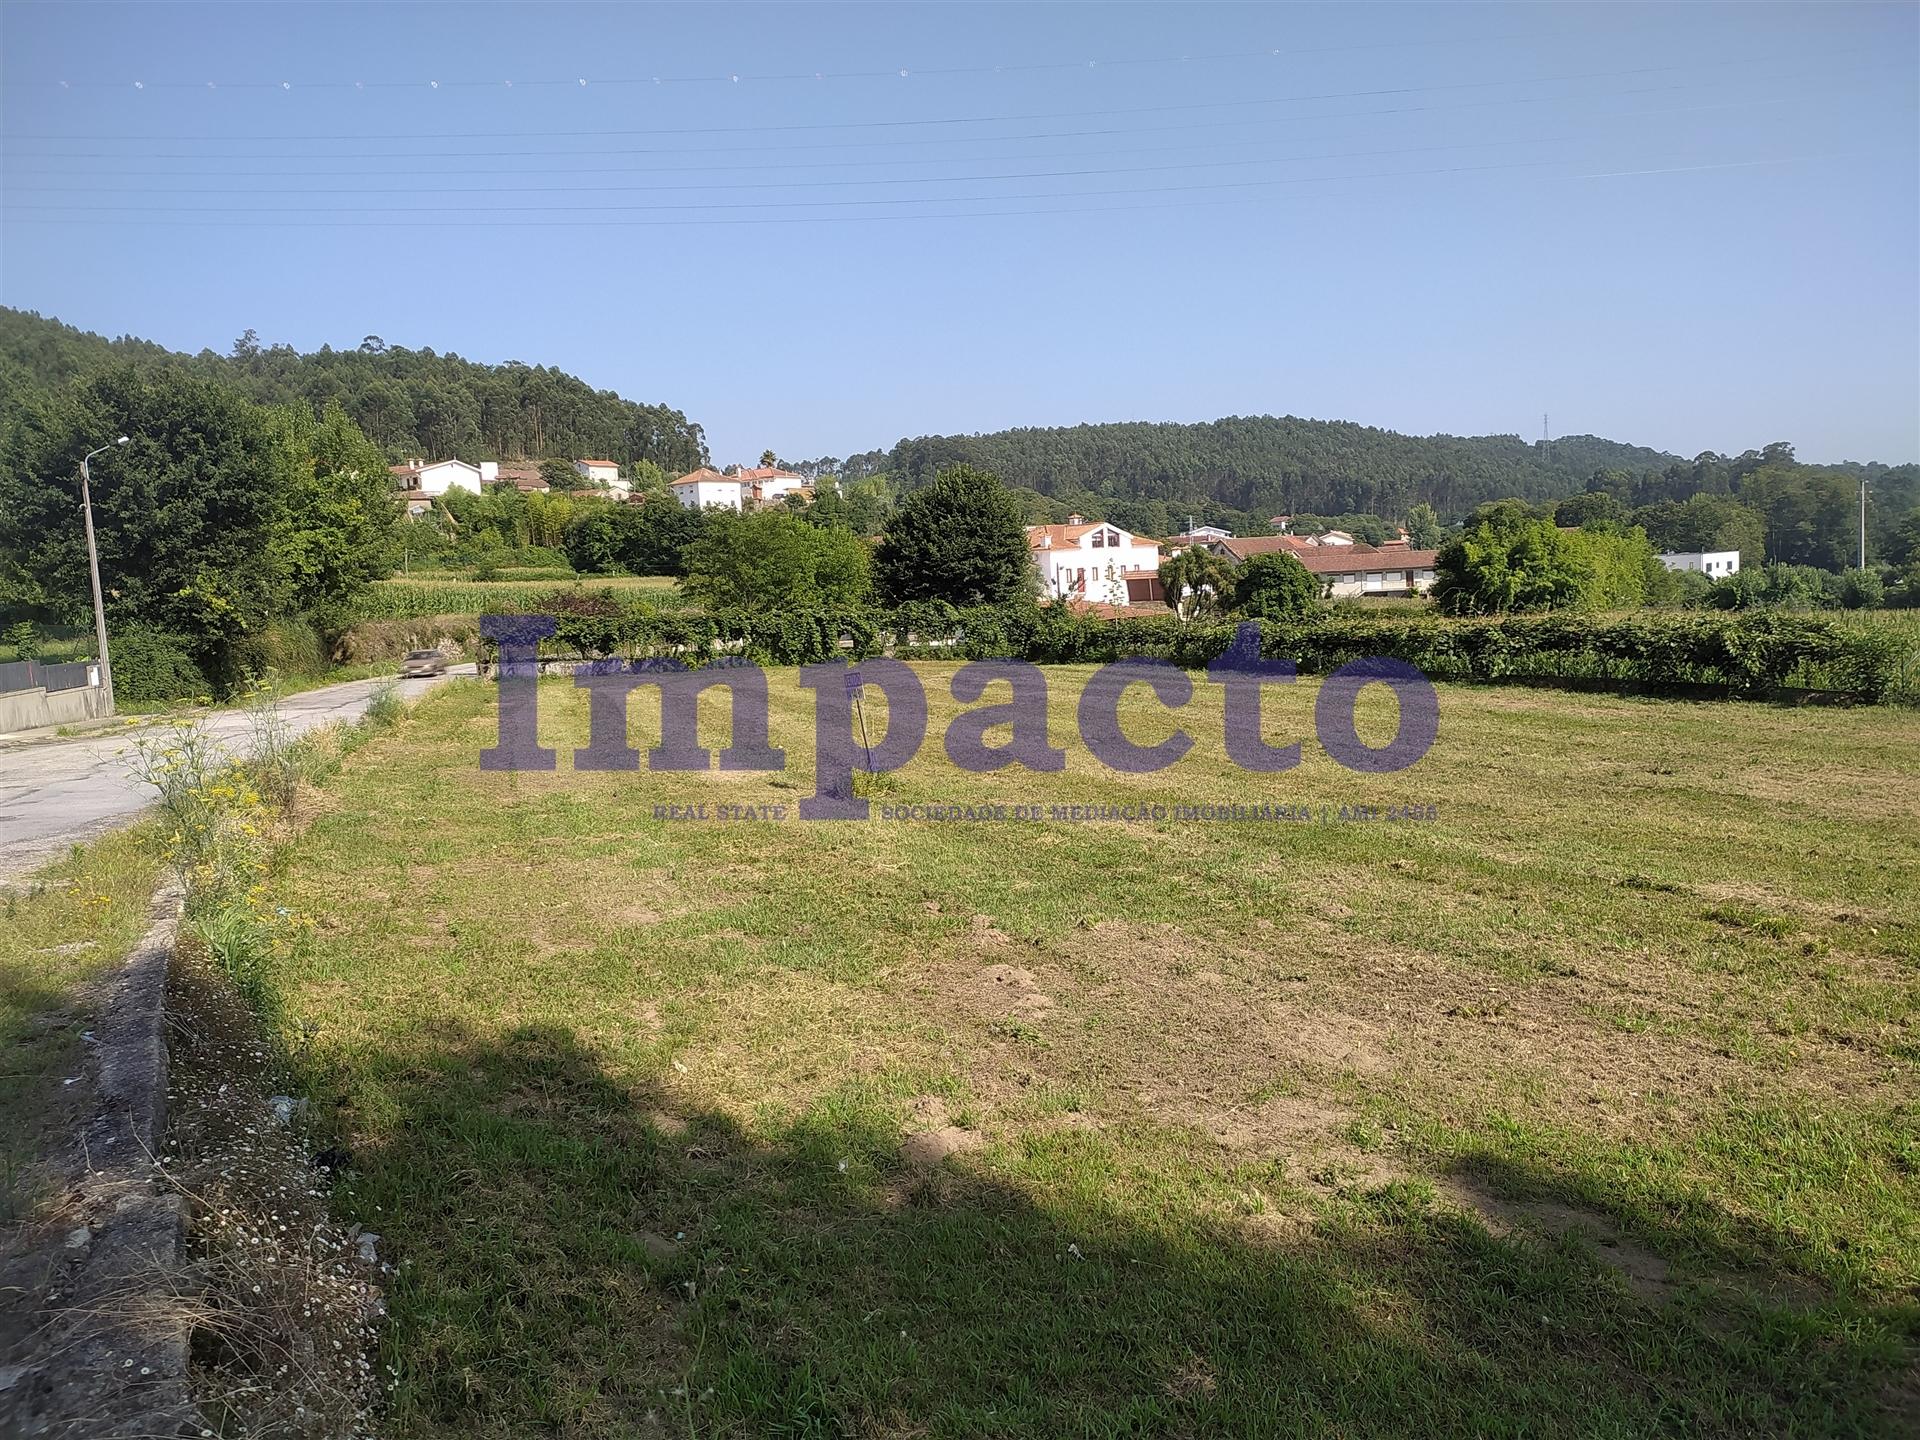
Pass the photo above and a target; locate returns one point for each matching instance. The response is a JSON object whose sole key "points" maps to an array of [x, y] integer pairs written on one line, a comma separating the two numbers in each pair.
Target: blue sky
{"points": [[1689, 226]]}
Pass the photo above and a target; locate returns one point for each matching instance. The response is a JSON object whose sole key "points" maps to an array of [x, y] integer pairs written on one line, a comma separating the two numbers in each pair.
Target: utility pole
{"points": [[1863, 522], [93, 566]]}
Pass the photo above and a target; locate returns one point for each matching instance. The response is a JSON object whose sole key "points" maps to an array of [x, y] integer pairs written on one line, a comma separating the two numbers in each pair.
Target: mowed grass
{"points": [[1587, 1106]]}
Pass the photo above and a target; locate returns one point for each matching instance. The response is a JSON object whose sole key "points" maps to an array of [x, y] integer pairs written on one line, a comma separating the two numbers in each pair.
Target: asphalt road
{"points": [[57, 793]]}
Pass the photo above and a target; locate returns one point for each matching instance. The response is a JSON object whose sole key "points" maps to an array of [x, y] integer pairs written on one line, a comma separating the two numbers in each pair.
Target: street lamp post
{"points": [[93, 566]]}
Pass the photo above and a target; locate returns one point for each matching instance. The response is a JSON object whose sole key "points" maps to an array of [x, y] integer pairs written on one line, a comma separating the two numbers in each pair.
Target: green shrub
{"points": [[289, 646], [153, 664], [24, 640], [1744, 653], [385, 707], [1275, 587]]}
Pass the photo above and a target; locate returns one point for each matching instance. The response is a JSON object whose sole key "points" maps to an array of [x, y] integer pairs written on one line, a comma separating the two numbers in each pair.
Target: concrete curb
{"points": [[112, 1353]]}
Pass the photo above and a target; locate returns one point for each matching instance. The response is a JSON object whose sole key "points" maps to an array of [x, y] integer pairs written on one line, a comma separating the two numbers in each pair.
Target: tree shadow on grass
{"points": [[583, 1256]]}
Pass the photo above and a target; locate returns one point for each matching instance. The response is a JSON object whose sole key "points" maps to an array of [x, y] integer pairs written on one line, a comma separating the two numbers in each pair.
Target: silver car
{"points": [[423, 662]]}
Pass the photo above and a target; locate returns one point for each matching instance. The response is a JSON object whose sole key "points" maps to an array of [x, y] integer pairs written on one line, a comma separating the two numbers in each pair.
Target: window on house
{"points": [[1112, 538], [1099, 538]]}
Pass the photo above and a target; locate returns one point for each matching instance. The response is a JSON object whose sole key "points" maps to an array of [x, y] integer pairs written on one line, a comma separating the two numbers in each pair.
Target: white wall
{"points": [[1105, 566], [32, 709], [703, 493], [448, 475], [1713, 563], [1381, 580]]}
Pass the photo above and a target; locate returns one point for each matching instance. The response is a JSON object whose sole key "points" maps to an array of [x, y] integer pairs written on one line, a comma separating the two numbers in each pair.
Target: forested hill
{"points": [[1264, 464], [409, 402]]}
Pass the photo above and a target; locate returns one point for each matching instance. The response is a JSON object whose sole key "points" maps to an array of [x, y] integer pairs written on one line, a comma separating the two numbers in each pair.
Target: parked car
{"points": [[423, 662]]}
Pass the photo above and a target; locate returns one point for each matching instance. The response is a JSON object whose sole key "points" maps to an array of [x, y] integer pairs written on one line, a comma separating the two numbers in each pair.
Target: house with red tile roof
{"points": [[1097, 563], [1345, 569]]}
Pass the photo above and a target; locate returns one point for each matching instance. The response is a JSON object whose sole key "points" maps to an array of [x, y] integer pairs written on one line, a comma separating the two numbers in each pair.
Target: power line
{"points": [[791, 184], [575, 153], [868, 203], [280, 172], [811, 126], [466, 223], [573, 82]]}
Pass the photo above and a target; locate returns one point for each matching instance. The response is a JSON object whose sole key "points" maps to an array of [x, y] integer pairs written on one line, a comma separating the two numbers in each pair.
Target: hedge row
{"points": [[1744, 653]]}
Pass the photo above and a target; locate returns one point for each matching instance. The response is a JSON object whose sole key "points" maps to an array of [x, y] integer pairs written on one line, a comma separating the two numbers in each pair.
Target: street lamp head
{"points": [[121, 441]]}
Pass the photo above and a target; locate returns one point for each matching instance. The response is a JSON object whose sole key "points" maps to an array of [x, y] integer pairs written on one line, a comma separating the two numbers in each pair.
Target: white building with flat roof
{"points": [[1714, 564]]}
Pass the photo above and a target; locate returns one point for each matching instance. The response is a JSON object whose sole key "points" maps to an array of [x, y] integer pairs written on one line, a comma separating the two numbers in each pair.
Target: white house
{"points": [[769, 484], [1098, 563], [706, 487], [1714, 564], [440, 476], [603, 472]]}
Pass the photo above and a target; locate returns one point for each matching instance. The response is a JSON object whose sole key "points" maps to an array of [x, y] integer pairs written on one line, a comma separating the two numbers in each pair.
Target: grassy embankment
{"points": [[60, 932], [1586, 1106]]}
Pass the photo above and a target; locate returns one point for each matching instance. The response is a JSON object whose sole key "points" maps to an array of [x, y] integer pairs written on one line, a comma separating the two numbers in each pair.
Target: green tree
{"points": [[773, 561], [547, 517], [1275, 587], [1810, 514], [1423, 527], [1777, 587], [192, 515], [1507, 561], [1861, 590], [649, 539], [1585, 509], [1619, 564], [1705, 522], [1902, 545], [341, 527], [960, 539], [560, 475], [1197, 582], [648, 479]]}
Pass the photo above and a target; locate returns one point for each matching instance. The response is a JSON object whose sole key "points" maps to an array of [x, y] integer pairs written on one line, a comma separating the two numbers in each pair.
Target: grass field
{"points": [[1586, 1106], [415, 597]]}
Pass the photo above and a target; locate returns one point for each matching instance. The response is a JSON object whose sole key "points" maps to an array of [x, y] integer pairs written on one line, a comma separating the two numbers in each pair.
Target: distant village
{"points": [[1086, 562]]}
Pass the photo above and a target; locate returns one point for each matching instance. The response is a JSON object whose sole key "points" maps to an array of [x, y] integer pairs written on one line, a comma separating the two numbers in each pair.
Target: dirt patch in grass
{"points": [[931, 1135], [1008, 990], [1280, 1125]]}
